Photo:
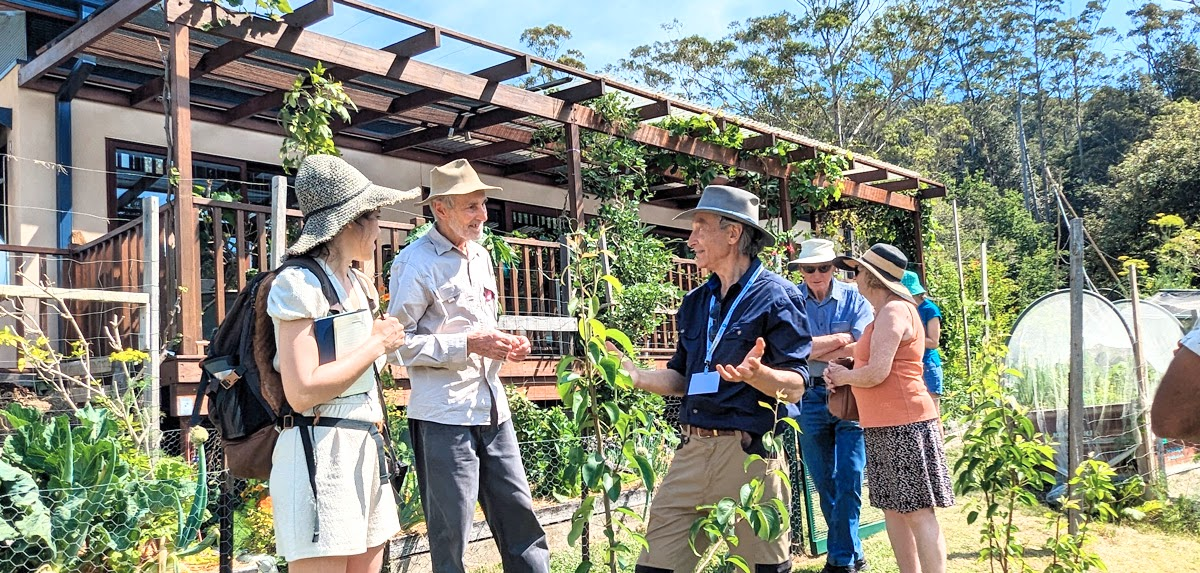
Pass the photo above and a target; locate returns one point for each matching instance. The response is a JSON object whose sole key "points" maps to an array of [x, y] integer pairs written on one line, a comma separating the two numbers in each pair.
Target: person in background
{"points": [[1175, 412], [931, 317], [344, 526], [906, 461], [444, 293], [832, 448]]}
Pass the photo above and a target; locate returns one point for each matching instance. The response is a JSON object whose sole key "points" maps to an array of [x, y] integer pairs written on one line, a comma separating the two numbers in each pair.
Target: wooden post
{"points": [[987, 300], [150, 320], [574, 177], [278, 219], [918, 229], [1146, 460], [186, 238], [962, 291], [785, 203], [1075, 424]]}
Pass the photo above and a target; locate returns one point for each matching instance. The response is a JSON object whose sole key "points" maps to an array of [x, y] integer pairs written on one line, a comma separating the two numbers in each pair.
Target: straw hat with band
{"points": [[884, 261], [737, 204], [454, 178], [333, 194]]}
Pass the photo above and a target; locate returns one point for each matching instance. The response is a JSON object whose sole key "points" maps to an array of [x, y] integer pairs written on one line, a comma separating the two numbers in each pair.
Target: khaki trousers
{"points": [[705, 470]]}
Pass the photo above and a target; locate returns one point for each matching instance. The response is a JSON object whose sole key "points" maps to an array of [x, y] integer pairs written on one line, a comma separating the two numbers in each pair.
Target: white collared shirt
{"points": [[440, 294]]}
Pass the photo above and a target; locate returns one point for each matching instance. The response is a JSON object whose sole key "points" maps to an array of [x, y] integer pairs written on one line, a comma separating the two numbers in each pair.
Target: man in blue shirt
{"points": [[742, 341], [832, 448]]}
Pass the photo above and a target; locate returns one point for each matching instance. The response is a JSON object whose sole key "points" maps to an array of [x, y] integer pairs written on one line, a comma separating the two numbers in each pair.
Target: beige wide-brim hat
{"points": [[884, 261], [814, 252], [333, 194], [454, 178], [737, 204]]}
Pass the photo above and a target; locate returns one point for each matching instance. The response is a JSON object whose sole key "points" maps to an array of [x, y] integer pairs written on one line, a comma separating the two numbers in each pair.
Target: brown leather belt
{"points": [[708, 432]]}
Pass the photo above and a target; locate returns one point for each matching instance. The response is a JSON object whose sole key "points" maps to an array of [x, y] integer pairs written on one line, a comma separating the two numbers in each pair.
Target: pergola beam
{"points": [[539, 164], [866, 176], [899, 185], [759, 141], [514, 100], [571, 95], [417, 44], [232, 50], [98, 24], [414, 138], [490, 150], [654, 111]]}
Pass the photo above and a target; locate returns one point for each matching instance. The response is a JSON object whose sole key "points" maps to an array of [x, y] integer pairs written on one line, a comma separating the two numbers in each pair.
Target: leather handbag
{"points": [[841, 402]]}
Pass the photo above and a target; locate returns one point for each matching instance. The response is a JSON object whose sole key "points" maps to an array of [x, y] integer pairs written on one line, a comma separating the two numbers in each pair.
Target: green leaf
{"points": [[749, 460], [738, 561], [580, 518], [622, 341], [593, 469], [645, 470], [617, 287], [583, 567]]}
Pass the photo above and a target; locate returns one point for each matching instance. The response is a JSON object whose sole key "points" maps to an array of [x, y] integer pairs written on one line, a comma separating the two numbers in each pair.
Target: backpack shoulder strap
{"points": [[315, 268]]}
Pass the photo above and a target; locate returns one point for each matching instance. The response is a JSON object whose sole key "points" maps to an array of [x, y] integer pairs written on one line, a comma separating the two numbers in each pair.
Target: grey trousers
{"points": [[457, 465]]}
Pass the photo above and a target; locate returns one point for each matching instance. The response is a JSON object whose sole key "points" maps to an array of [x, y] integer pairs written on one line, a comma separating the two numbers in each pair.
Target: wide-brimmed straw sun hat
{"points": [[912, 282], [737, 204], [332, 194], [454, 178], [884, 261], [814, 252]]}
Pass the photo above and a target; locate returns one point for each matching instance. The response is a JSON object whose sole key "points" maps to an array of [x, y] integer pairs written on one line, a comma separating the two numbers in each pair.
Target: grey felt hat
{"points": [[332, 194], [737, 204]]}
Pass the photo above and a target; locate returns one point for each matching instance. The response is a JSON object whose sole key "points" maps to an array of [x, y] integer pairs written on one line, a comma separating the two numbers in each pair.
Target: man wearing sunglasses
{"points": [[832, 448]]}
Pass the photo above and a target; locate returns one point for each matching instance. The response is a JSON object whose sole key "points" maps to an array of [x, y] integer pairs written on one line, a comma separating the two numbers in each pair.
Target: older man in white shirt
{"points": [[443, 291]]}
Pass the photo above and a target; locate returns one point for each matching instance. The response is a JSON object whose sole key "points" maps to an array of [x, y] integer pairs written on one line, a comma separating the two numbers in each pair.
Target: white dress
{"points": [[357, 511]]}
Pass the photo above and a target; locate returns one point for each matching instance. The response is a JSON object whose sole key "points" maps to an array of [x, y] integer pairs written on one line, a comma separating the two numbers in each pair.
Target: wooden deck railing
{"points": [[234, 244]]}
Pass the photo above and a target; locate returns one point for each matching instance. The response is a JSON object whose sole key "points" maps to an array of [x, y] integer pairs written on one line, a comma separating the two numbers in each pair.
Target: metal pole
{"points": [[1075, 427], [150, 320], [278, 219], [962, 290], [1146, 460], [987, 301]]}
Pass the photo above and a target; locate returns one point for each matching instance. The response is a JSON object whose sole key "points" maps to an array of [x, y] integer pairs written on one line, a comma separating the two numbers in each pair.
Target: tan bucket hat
{"points": [[454, 178], [333, 194]]}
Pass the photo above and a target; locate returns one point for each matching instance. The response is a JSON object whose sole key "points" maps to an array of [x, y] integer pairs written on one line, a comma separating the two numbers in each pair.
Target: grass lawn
{"points": [[1138, 548], [1124, 548]]}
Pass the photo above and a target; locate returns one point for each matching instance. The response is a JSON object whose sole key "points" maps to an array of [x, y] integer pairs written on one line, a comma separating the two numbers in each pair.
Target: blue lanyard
{"points": [[713, 341]]}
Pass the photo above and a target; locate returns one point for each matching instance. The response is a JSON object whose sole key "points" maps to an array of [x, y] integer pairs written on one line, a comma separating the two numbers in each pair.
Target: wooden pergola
{"points": [[233, 69]]}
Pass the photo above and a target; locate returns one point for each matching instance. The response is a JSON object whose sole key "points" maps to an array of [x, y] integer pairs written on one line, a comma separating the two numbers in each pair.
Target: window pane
{"points": [[139, 174]]}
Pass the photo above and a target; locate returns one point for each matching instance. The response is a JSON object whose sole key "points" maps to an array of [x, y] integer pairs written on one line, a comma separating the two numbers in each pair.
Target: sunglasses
{"points": [[808, 270]]}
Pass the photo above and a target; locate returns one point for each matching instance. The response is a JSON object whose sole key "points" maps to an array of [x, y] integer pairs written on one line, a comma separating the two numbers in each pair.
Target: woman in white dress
{"points": [[344, 527]]}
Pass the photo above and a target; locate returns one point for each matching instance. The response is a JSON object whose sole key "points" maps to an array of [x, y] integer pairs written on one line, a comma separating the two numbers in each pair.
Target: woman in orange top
{"points": [[906, 464]]}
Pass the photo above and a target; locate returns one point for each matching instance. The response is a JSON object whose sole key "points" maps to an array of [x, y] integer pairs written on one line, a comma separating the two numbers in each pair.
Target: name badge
{"points": [[704, 383]]}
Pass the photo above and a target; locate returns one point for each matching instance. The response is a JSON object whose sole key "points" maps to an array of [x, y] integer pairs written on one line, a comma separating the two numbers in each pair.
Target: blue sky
{"points": [[604, 31]]}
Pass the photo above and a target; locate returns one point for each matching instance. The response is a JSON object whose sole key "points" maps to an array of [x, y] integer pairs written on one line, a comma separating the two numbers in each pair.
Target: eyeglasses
{"points": [[808, 270]]}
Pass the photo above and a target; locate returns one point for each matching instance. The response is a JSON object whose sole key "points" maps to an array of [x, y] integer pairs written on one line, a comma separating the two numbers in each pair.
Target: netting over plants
{"points": [[1040, 350], [1160, 334]]}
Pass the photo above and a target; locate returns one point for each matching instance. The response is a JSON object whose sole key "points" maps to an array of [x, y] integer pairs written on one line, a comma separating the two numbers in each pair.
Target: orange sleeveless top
{"points": [[902, 397]]}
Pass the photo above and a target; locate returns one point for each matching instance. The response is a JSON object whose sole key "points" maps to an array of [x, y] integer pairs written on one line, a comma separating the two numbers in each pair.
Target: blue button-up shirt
{"points": [[843, 310], [773, 309]]}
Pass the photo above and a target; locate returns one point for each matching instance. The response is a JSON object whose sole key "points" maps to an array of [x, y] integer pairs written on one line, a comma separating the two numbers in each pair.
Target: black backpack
{"points": [[245, 396]]}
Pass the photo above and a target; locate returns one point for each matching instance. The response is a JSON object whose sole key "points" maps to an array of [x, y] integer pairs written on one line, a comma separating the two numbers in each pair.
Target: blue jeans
{"points": [[834, 456]]}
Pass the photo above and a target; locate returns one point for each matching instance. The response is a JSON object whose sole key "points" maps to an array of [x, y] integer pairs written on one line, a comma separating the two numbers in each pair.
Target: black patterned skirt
{"points": [[906, 467]]}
